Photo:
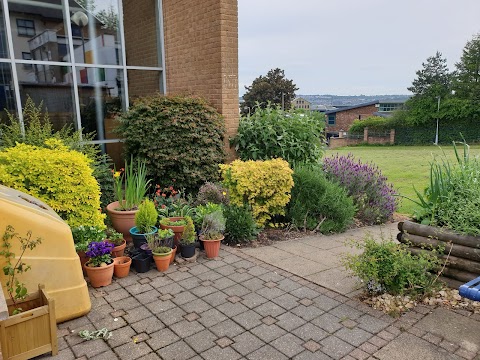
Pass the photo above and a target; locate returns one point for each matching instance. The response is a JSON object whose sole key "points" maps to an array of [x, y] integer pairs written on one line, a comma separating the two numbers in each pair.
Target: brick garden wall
{"points": [[201, 53]]}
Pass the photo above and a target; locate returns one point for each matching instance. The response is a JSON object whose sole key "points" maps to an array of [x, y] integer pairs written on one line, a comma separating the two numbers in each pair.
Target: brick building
{"points": [[83, 60], [342, 118]]}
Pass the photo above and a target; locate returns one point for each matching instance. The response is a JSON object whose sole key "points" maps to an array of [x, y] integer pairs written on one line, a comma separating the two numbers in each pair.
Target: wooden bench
{"points": [[471, 290]]}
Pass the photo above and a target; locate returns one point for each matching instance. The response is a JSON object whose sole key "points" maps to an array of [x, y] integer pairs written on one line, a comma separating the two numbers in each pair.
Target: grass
{"points": [[404, 166]]}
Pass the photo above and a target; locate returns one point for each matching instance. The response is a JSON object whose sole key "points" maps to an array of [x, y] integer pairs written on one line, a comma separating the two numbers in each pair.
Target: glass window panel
{"points": [[143, 83], [95, 32], [140, 27], [52, 86], [38, 27], [101, 97], [3, 35], [7, 93]]}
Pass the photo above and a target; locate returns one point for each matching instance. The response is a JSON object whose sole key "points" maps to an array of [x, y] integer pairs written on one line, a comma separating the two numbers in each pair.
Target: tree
{"points": [[270, 88], [467, 76], [433, 79]]}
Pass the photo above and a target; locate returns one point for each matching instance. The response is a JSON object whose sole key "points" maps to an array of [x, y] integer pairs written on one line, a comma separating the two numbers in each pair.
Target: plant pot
{"points": [[178, 230], [122, 221], [83, 260], [188, 250], [99, 276], [146, 249], [174, 252], [162, 261], [212, 247], [119, 250], [141, 263], [33, 332], [139, 238], [121, 266]]}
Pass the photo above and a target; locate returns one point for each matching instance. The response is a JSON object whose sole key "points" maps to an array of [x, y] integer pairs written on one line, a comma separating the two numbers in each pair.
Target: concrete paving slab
{"points": [[267, 253], [453, 327], [300, 266], [409, 347], [309, 252], [335, 279]]}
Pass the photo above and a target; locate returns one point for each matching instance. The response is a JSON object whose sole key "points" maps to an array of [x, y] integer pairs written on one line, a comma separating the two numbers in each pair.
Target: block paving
{"points": [[237, 307]]}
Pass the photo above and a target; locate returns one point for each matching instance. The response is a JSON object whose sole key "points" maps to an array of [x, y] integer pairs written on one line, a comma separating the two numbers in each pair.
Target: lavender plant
{"points": [[373, 196]]}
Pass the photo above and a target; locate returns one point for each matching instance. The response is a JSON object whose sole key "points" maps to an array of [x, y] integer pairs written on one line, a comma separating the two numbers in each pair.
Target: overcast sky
{"points": [[351, 47]]}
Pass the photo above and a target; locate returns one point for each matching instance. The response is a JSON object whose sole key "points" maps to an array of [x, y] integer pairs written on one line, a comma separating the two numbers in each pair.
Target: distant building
{"points": [[301, 103]]}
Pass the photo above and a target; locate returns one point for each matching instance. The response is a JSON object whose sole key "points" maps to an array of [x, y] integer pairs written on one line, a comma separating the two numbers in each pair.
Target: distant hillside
{"points": [[337, 100]]}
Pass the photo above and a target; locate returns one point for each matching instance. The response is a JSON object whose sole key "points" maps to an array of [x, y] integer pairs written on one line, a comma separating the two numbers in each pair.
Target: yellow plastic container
{"points": [[54, 262]]}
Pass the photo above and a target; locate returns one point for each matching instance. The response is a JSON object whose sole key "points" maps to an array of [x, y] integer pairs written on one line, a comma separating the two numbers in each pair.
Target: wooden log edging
{"points": [[462, 251]]}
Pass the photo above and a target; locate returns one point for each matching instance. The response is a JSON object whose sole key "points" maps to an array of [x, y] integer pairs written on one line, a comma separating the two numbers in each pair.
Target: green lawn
{"points": [[404, 166]]}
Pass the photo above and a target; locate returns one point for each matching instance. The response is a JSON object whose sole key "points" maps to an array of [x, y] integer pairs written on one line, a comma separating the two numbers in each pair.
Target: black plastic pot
{"points": [[188, 250], [138, 238], [142, 262]]}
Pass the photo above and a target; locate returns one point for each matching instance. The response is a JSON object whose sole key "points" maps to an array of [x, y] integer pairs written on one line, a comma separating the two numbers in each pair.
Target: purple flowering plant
{"points": [[99, 252], [373, 196]]}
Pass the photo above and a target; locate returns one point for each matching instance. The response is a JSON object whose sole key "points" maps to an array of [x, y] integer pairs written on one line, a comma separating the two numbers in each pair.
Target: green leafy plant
{"points": [[165, 233], [213, 225], [14, 267], [131, 185], [374, 123], [162, 250], [240, 226], [102, 171], [272, 133], [146, 217], [387, 266], [84, 235], [168, 222], [190, 133], [188, 236], [114, 237], [157, 243], [318, 204], [202, 210]]}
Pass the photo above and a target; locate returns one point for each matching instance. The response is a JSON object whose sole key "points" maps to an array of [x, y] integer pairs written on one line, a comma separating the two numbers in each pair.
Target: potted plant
{"points": [[119, 243], [213, 226], [200, 212], [121, 266], [187, 241], [99, 267], [131, 186], [84, 235], [145, 220], [176, 224], [161, 253]]}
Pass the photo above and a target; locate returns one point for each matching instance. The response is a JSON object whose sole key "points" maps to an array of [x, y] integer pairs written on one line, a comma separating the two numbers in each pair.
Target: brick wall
{"points": [[344, 119], [201, 53]]}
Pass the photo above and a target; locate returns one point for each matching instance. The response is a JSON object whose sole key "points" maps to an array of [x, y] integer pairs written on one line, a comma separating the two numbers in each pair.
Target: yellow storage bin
{"points": [[54, 262]]}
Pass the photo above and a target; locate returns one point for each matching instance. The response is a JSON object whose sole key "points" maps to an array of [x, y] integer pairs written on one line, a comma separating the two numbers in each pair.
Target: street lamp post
{"points": [[438, 115]]}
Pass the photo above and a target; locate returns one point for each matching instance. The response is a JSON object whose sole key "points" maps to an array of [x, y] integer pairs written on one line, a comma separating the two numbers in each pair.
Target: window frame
{"points": [[18, 20]]}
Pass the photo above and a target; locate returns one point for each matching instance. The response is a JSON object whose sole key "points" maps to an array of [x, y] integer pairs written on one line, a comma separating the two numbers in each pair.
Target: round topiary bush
{"points": [[318, 204], [179, 137]]}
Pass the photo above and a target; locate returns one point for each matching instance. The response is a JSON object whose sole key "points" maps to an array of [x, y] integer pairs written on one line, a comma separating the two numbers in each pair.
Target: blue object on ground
{"points": [[471, 290]]}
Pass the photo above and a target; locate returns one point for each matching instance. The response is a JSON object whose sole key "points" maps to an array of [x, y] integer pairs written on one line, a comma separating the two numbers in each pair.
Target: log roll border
{"points": [[464, 260]]}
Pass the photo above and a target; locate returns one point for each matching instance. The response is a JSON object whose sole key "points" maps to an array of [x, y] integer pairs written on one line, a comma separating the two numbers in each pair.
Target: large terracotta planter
{"points": [[178, 230], [212, 247], [122, 221], [162, 261], [119, 250], [121, 266], [100, 276]]}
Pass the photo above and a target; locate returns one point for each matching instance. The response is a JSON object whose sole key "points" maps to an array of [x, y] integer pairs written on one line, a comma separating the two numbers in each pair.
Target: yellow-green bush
{"points": [[265, 185], [60, 177]]}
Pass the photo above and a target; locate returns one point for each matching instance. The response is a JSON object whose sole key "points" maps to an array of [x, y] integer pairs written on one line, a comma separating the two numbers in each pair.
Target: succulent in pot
{"points": [[116, 238], [99, 267], [145, 221], [187, 241], [213, 226]]}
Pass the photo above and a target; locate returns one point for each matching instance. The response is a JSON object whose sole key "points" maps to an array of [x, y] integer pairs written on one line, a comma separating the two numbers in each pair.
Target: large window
{"points": [[73, 56]]}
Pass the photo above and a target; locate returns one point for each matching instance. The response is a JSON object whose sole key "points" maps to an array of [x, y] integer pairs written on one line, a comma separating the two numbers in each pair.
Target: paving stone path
{"points": [[240, 307]]}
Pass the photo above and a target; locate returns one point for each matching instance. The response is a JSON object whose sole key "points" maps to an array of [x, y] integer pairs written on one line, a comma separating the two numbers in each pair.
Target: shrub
{"points": [[373, 197], [240, 226], [202, 210], [264, 185], [180, 138], [60, 177], [146, 217], [270, 133], [318, 204], [212, 193], [387, 266], [188, 235], [102, 170], [84, 235], [374, 123]]}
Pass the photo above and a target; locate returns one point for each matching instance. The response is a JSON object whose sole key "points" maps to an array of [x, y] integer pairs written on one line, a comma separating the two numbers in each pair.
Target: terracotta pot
{"points": [[119, 250], [121, 266], [122, 221], [174, 252], [162, 261], [99, 276], [178, 230], [83, 260], [212, 247]]}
